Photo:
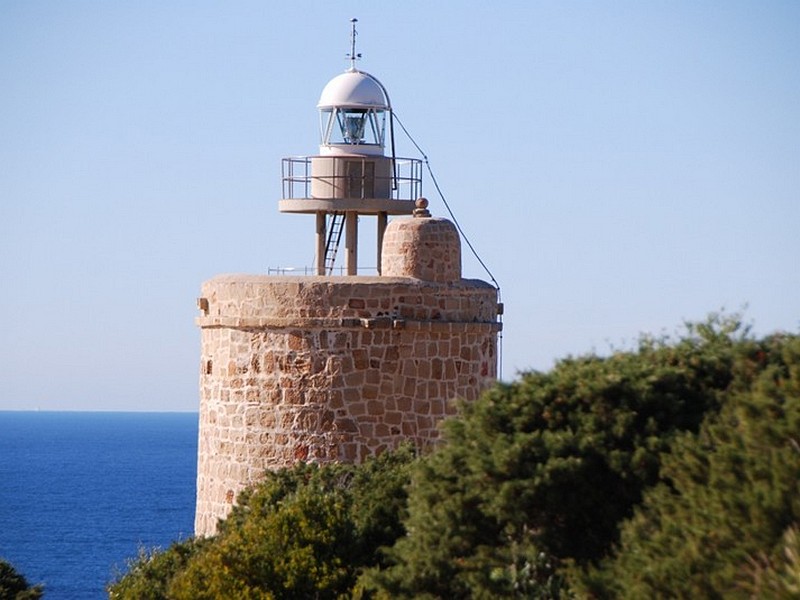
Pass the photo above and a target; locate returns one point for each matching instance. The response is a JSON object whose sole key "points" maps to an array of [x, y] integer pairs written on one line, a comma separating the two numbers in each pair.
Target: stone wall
{"points": [[330, 369]]}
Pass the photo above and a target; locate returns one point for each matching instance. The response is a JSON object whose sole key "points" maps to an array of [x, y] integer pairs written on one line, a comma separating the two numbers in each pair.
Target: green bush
{"points": [[305, 532], [667, 471], [542, 472], [149, 576], [776, 576], [14, 586], [722, 522]]}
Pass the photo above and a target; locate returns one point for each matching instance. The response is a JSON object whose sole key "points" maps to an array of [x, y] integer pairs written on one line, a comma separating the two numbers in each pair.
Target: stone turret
{"points": [[423, 247]]}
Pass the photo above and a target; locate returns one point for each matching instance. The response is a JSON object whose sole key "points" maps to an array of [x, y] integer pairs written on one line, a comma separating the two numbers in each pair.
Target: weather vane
{"points": [[353, 33]]}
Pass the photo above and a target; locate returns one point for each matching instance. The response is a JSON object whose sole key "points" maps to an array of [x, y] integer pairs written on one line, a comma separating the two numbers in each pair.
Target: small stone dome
{"points": [[353, 89], [422, 247]]}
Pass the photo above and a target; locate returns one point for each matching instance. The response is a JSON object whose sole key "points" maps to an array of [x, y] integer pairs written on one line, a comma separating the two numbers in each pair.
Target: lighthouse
{"points": [[351, 176], [334, 367]]}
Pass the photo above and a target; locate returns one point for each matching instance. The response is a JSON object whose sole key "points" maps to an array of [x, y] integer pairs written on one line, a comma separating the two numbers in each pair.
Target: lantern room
{"points": [[353, 108], [351, 177]]}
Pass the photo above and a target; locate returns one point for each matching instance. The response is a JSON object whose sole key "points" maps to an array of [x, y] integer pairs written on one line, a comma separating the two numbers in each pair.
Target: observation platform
{"points": [[367, 185]]}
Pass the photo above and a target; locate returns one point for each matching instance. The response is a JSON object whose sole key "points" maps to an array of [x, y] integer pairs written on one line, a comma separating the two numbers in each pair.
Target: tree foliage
{"points": [[544, 469], [723, 521], [670, 470], [304, 532], [150, 575], [14, 586]]}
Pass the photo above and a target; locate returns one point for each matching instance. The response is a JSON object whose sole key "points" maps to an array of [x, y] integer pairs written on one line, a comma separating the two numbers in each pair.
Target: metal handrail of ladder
{"points": [[332, 243]]}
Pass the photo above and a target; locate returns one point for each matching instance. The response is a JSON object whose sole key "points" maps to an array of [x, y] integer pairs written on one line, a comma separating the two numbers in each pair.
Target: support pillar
{"points": [[351, 241], [321, 243], [383, 220]]}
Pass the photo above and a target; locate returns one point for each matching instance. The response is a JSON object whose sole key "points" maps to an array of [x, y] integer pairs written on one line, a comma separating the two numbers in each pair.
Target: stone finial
{"points": [[421, 209]]}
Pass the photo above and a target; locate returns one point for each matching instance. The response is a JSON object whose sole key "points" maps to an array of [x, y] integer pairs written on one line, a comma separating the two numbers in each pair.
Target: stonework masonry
{"points": [[337, 368]]}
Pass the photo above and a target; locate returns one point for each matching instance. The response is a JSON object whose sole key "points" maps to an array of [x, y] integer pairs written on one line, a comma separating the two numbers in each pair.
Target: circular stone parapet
{"points": [[330, 369], [422, 247]]}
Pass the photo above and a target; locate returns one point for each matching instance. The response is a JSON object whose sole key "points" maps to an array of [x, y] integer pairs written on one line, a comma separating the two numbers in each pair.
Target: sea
{"points": [[83, 493]]}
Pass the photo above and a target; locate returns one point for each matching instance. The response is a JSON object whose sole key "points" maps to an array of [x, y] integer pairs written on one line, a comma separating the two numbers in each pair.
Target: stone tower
{"points": [[331, 368]]}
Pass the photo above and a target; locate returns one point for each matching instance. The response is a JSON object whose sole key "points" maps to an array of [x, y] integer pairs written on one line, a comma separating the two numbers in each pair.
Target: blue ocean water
{"points": [[81, 493]]}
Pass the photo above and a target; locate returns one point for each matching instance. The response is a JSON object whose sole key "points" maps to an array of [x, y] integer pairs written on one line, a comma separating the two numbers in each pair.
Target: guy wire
{"points": [[463, 235]]}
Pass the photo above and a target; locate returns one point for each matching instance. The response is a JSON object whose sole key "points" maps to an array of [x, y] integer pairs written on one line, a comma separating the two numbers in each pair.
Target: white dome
{"points": [[353, 89]]}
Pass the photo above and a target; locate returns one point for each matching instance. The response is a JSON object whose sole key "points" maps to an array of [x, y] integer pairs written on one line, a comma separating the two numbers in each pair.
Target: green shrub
{"points": [[14, 586], [722, 522], [544, 470], [149, 576], [304, 532], [667, 471]]}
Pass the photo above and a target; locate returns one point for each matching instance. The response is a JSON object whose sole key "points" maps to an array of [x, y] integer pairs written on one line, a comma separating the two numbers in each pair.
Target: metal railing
{"points": [[308, 271], [405, 183]]}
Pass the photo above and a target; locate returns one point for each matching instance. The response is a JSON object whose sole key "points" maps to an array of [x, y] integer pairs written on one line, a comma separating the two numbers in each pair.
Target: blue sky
{"points": [[620, 167]]}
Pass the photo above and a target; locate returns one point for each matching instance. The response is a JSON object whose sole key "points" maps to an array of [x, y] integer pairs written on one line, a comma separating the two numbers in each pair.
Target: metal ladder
{"points": [[334, 237]]}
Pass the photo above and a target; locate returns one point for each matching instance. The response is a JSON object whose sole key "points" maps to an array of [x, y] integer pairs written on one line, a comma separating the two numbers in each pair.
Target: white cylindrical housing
{"points": [[351, 176], [353, 109]]}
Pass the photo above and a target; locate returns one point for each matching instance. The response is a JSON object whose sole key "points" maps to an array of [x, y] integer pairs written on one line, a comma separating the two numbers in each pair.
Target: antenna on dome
{"points": [[353, 33]]}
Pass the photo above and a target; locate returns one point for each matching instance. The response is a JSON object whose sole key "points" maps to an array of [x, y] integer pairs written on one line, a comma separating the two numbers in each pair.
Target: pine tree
{"points": [[543, 470], [728, 504]]}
